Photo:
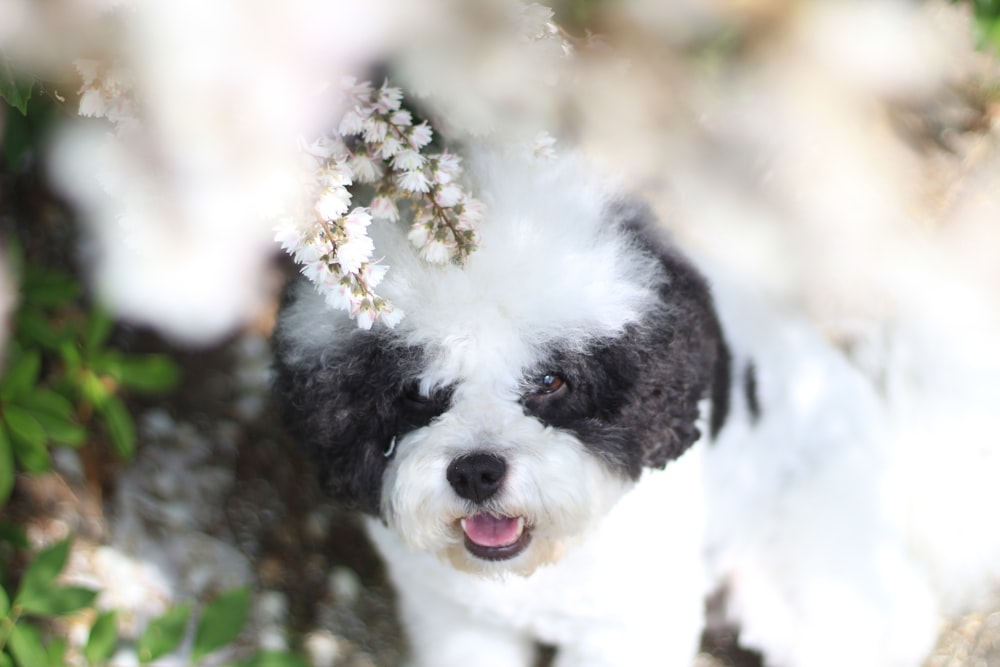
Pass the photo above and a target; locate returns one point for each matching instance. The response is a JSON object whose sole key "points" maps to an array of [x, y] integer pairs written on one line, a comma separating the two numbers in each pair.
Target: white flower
{"points": [[352, 88], [338, 296], [356, 223], [93, 103], [365, 317], [413, 181], [437, 252], [420, 234], [389, 99], [355, 252], [408, 160], [312, 250], [333, 203], [316, 272], [372, 273], [472, 212], [365, 169], [352, 123], [449, 166], [374, 130], [384, 208], [390, 316], [401, 118], [335, 175], [420, 135], [389, 147], [447, 196], [323, 147], [289, 235]]}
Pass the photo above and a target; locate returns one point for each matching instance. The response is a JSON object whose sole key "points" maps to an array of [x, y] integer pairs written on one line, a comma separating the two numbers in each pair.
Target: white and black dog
{"points": [[573, 440]]}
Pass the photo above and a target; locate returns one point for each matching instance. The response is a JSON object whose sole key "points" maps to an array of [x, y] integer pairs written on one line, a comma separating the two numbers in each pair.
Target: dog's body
{"points": [[564, 442]]}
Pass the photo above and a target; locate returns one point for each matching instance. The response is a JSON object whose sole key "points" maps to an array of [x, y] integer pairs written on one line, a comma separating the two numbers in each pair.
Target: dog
{"points": [[577, 437]]}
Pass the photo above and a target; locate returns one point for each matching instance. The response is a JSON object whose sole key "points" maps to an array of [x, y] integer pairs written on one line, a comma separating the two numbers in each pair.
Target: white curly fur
{"points": [[809, 508]]}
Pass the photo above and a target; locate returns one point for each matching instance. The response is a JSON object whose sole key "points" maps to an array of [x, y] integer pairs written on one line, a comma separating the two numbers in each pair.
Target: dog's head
{"points": [[524, 392]]}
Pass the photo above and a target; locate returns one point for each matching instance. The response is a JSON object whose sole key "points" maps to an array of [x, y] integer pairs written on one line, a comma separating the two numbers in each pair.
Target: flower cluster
{"points": [[331, 242], [387, 153], [377, 144], [107, 92]]}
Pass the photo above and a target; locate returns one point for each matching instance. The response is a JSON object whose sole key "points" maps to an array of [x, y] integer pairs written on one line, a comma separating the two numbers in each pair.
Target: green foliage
{"points": [[164, 634], [103, 639], [39, 594], [221, 622], [14, 90], [26, 622], [64, 383], [987, 18]]}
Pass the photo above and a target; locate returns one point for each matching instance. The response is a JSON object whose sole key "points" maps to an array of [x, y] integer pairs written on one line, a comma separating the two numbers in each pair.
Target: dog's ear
{"points": [[684, 358], [635, 399], [334, 405]]}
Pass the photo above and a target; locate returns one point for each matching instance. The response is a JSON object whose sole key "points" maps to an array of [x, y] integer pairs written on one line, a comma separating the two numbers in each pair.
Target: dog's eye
{"points": [[548, 385]]}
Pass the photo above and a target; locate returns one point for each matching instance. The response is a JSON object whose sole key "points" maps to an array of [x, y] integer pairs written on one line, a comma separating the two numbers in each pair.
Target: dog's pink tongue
{"points": [[487, 530]]}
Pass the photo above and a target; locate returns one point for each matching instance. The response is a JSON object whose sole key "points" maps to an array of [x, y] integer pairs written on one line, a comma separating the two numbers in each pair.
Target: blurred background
{"points": [[837, 158]]}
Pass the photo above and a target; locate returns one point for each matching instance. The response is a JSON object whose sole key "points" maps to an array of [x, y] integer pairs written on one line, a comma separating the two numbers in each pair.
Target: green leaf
{"points": [[47, 401], [273, 659], [34, 327], [26, 646], [57, 652], [120, 427], [71, 357], [151, 373], [41, 573], [97, 330], [13, 534], [93, 389], [103, 639], [56, 416], [4, 602], [61, 430], [28, 438], [221, 622], [14, 89], [21, 376], [58, 600], [6, 465], [5, 660], [48, 287], [163, 634]]}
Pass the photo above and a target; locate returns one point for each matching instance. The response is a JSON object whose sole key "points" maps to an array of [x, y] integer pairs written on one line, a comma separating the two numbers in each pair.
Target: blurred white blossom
{"points": [[207, 103]]}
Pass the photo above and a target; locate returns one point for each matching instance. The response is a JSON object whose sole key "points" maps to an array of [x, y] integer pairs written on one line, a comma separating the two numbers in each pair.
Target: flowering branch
{"points": [[377, 143]]}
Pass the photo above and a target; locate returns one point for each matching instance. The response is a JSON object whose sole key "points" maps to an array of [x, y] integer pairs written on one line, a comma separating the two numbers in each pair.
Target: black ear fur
{"points": [[685, 358], [345, 406]]}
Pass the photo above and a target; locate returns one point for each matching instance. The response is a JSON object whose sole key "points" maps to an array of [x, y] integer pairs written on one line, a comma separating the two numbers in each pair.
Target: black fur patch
{"points": [[348, 405], [633, 401]]}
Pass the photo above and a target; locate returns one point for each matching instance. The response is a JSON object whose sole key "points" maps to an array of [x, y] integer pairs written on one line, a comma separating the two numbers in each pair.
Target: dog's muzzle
{"points": [[478, 477]]}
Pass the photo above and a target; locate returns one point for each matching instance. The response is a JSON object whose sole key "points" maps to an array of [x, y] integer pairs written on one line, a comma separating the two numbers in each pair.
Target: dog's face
{"points": [[523, 393]]}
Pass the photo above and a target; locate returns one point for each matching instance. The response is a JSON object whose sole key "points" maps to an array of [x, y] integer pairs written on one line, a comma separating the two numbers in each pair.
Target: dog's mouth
{"points": [[495, 537]]}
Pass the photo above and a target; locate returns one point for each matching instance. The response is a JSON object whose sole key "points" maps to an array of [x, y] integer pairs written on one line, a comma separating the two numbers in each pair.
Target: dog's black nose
{"points": [[476, 476]]}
